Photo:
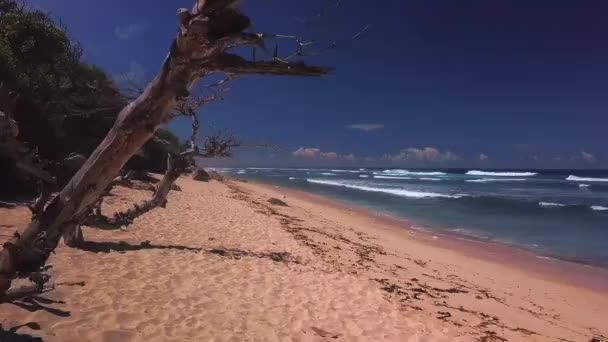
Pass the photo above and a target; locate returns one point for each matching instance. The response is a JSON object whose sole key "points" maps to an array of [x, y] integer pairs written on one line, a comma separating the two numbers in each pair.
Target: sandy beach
{"points": [[222, 263]]}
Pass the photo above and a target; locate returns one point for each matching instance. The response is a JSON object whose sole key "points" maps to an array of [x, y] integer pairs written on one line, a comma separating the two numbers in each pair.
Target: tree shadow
{"points": [[11, 334], [122, 247], [101, 222], [37, 303]]}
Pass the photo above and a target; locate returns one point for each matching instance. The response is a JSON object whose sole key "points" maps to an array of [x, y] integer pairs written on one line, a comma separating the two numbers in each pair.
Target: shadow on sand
{"points": [[122, 247], [11, 335]]}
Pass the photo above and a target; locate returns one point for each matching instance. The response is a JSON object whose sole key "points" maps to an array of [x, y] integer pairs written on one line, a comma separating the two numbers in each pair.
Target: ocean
{"points": [[553, 213]]}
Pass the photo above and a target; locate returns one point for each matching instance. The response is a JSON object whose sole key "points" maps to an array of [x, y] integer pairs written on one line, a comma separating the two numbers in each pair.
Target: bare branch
{"points": [[219, 144], [45, 194], [193, 54], [28, 291], [358, 34], [229, 63], [252, 39]]}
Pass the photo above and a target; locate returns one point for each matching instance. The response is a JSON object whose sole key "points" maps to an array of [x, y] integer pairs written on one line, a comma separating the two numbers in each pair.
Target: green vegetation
{"points": [[63, 105]]}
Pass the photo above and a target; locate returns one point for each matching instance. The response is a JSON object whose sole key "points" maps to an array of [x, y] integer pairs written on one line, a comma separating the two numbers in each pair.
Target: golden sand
{"points": [[221, 263]]}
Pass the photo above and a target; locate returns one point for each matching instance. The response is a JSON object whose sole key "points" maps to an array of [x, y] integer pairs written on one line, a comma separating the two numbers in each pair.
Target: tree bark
{"points": [[197, 51], [175, 166], [135, 125], [72, 235]]}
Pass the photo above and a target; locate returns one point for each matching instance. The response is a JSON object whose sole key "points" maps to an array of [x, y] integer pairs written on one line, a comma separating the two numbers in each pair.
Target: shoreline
{"points": [[224, 261], [593, 277]]}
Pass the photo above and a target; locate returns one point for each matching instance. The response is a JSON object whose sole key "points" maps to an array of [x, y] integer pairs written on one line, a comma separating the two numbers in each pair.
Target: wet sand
{"points": [[222, 263]]}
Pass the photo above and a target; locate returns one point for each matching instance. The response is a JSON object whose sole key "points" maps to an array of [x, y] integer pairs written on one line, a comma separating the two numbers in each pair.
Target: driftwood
{"points": [[200, 49]]}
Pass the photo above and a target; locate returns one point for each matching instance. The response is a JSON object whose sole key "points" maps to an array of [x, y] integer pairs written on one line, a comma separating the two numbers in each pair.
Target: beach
{"points": [[222, 263]]}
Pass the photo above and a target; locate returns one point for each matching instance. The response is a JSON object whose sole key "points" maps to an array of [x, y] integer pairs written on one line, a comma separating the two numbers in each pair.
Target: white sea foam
{"points": [[430, 179], [292, 178], [413, 173], [348, 171], [392, 191], [550, 204], [598, 207], [583, 186], [488, 180], [328, 174], [500, 174], [240, 172], [364, 176], [283, 169], [586, 179], [391, 177]]}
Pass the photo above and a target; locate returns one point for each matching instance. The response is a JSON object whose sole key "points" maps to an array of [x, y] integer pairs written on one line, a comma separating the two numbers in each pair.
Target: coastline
{"points": [[590, 276], [224, 262]]}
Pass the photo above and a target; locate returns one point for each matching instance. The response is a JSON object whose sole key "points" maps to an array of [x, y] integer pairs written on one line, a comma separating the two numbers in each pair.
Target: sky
{"points": [[430, 83]]}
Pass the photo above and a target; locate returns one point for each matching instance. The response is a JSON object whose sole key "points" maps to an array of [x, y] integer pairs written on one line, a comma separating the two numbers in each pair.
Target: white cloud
{"points": [[316, 153], [427, 154], [483, 157], [127, 32], [366, 126], [588, 157], [329, 155], [308, 152]]}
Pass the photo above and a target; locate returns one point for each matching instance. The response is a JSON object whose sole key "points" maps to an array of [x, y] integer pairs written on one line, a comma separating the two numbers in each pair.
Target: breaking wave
{"points": [[598, 207], [405, 177], [488, 180], [413, 173], [500, 174], [586, 179], [551, 205], [391, 177], [348, 171], [328, 174], [392, 191]]}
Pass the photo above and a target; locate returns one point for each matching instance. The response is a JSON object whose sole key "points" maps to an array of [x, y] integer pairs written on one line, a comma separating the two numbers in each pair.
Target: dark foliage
{"points": [[63, 105]]}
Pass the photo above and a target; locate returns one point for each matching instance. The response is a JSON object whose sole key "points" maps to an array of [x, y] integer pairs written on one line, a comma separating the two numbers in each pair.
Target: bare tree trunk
{"points": [[134, 126], [175, 166], [212, 27], [72, 235]]}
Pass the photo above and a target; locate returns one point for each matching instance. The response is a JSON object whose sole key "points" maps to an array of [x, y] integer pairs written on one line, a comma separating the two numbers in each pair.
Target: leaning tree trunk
{"points": [[73, 237], [204, 36], [135, 125], [175, 167]]}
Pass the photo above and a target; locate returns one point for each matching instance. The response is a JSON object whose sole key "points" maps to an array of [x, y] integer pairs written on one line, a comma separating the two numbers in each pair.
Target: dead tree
{"points": [[217, 144], [204, 37]]}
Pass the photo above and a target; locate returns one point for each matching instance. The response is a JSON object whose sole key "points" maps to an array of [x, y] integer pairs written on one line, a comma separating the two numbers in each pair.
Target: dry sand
{"points": [[222, 263]]}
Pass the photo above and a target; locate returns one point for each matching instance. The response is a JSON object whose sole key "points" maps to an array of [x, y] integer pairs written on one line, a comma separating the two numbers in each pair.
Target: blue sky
{"points": [[430, 83]]}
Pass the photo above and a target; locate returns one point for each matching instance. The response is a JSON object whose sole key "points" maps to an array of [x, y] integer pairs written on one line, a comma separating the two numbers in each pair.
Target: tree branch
{"points": [[253, 39], [193, 54], [230, 63]]}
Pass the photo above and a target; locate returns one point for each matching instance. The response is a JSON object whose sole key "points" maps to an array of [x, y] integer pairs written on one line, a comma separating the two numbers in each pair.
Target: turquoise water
{"points": [[563, 213]]}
